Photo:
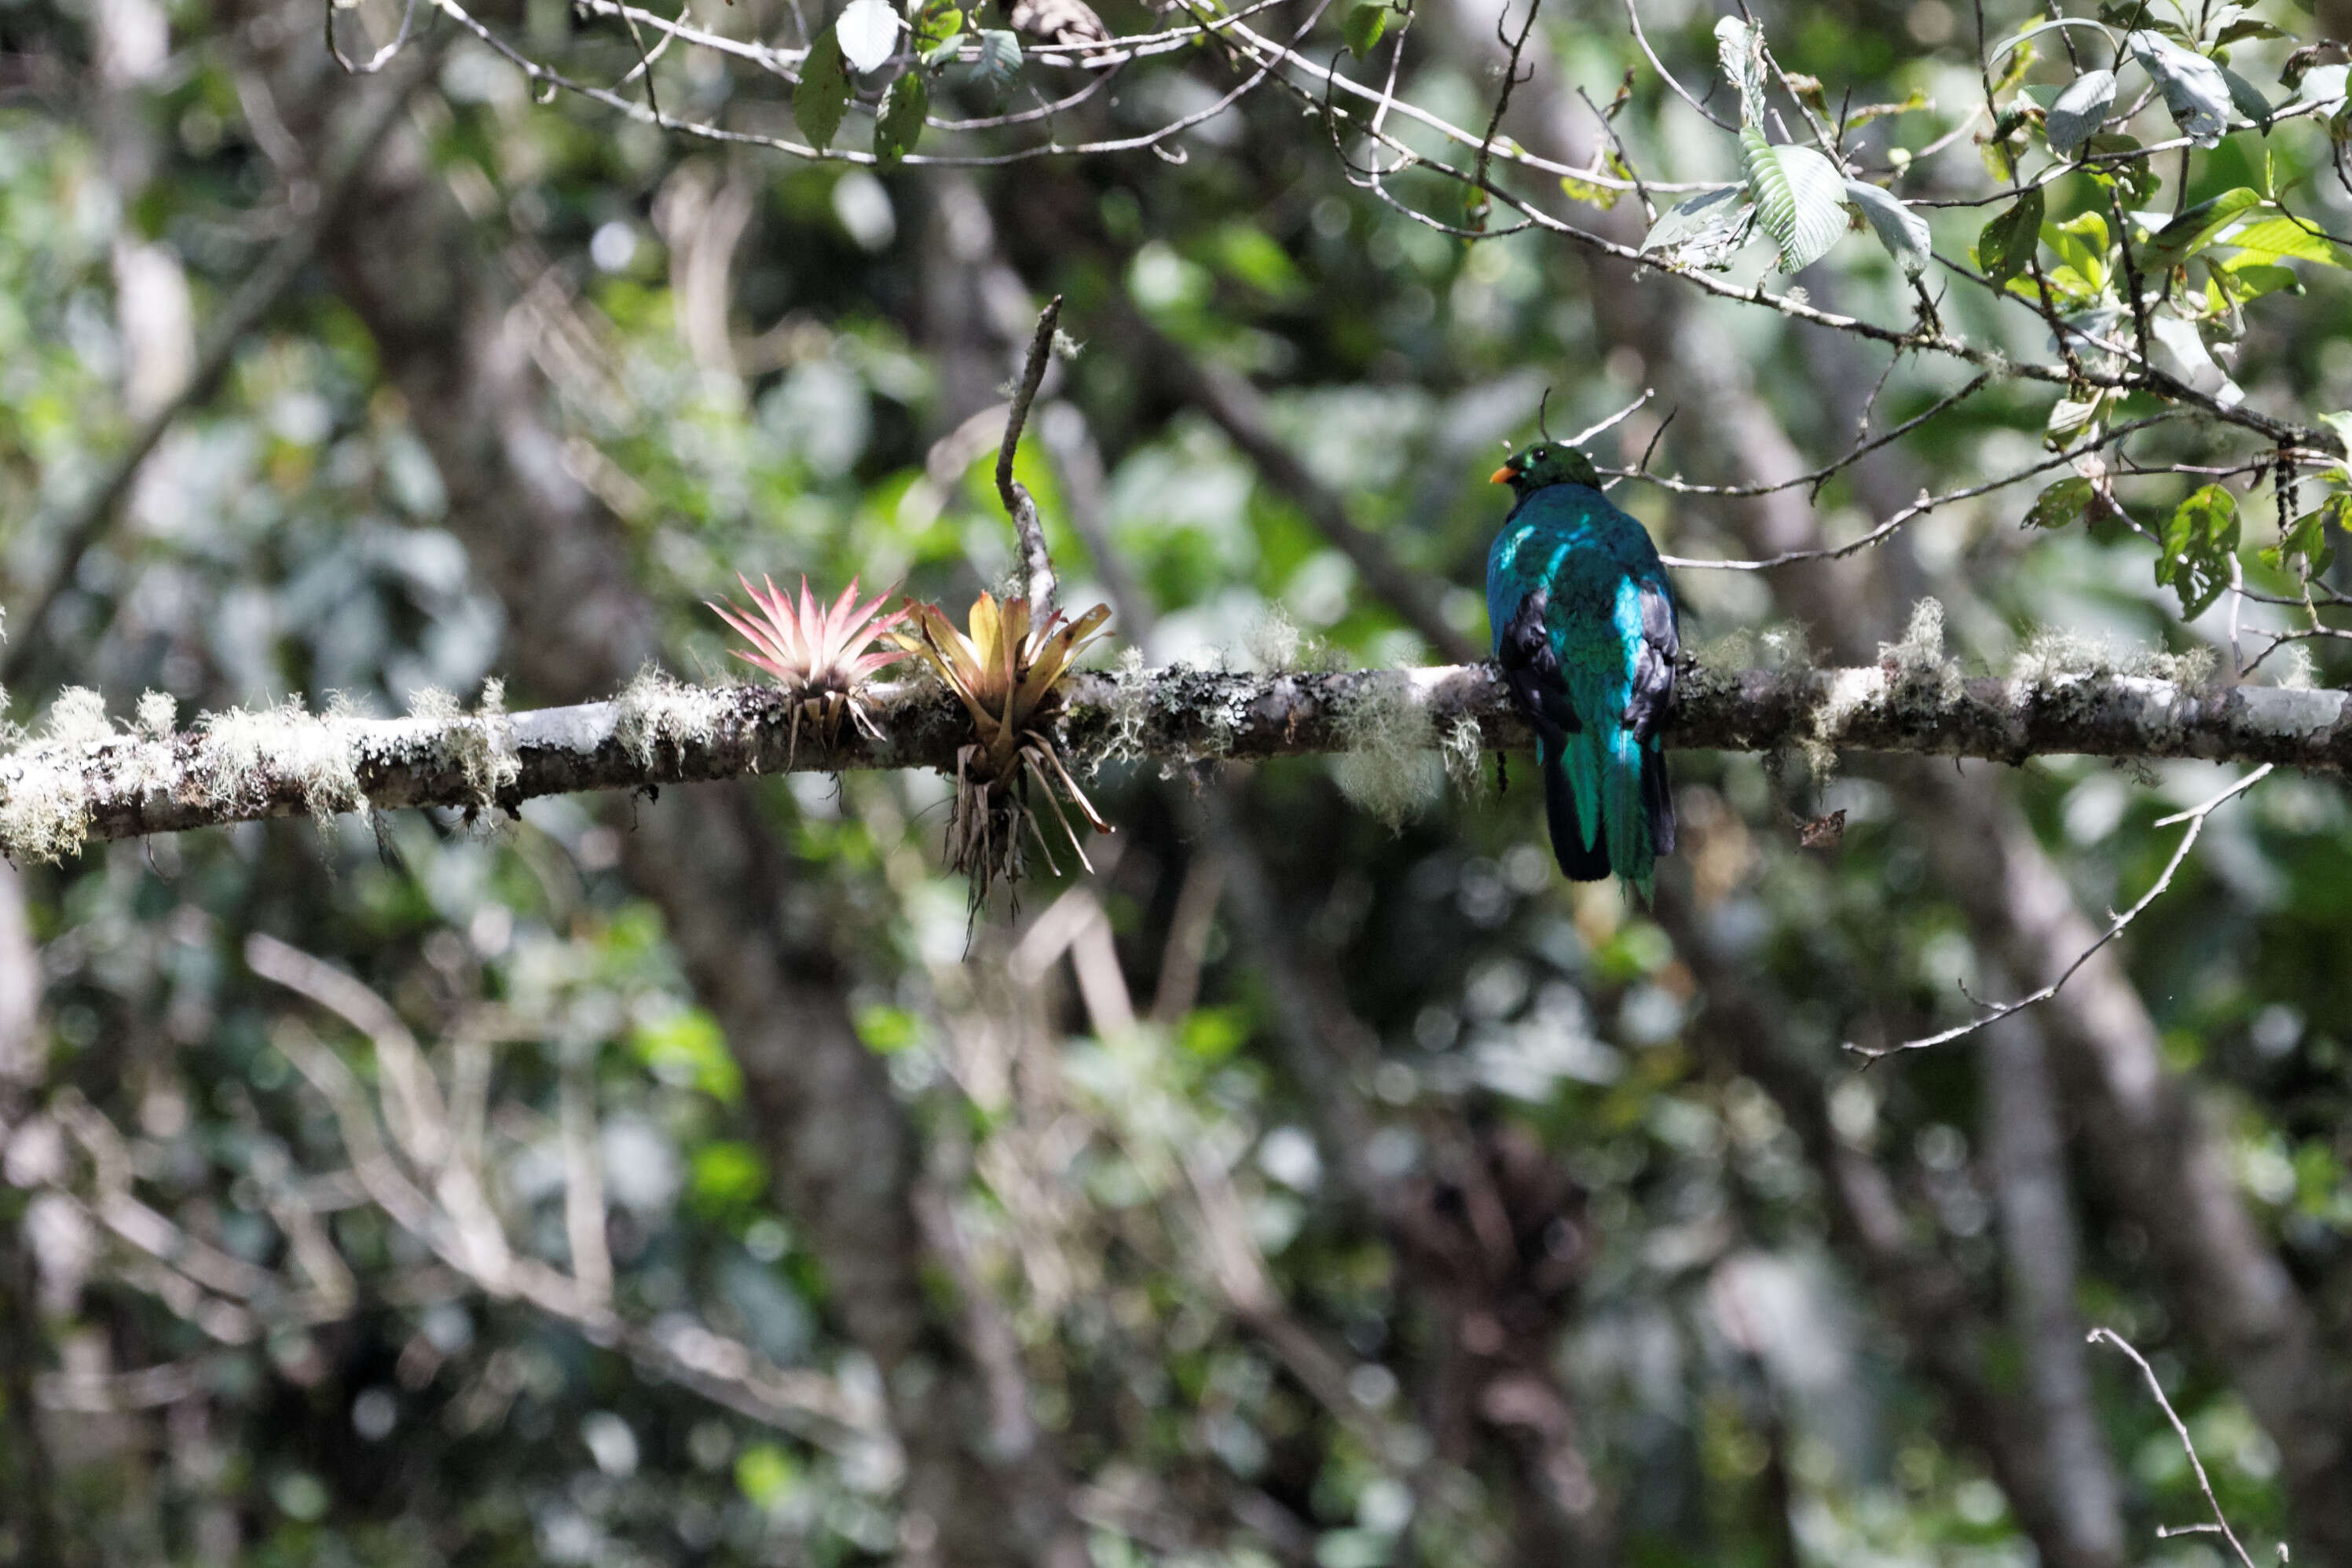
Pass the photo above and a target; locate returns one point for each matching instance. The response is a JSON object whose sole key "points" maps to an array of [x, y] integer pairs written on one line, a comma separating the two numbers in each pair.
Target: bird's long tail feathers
{"points": [[1578, 860], [1620, 784]]}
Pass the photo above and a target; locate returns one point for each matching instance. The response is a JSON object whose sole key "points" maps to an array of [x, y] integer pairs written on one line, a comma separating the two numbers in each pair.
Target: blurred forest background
{"points": [[1296, 1188]]}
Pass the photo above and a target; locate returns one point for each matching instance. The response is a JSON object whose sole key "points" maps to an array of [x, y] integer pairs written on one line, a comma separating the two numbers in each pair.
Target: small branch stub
{"points": [[1036, 565]]}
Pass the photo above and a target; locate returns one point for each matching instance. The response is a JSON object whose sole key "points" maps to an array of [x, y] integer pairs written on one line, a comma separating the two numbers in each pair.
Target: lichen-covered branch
{"points": [[84, 784]]}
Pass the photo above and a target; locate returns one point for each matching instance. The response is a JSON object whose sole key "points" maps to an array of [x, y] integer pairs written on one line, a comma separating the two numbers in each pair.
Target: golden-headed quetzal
{"points": [[1585, 631]]}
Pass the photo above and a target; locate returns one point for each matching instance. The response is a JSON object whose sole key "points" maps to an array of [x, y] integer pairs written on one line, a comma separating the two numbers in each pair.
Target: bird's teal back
{"points": [[1608, 621]]}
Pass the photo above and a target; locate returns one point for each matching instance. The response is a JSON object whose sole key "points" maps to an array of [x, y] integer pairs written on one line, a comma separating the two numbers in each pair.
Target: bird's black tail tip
{"points": [[1579, 862]]}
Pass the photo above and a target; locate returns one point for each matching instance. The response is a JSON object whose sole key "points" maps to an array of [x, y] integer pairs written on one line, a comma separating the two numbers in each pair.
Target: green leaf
{"points": [[2134, 179], [2193, 86], [2066, 501], [2253, 280], [1899, 228], [2282, 238], [2193, 230], [686, 1049], [726, 1177], [899, 124], [2196, 545], [998, 69], [2247, 99], [2006, 245], [2076, 114], [2246, 27], [822, 95], [2082, 243], [2307, 536], [1799, 199], [939, 32], [765, 1474], [1363, 26]]}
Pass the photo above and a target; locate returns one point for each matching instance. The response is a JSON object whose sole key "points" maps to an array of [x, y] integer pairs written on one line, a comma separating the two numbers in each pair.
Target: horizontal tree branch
{"points": [[55, 794]]}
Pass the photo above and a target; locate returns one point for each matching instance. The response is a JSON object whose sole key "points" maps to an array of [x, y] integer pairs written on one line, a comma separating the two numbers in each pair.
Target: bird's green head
{"points": [[1548, 462]]}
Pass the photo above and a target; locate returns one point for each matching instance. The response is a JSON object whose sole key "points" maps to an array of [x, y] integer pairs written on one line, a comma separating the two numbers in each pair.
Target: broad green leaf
{"points": [[2063, 502], [2075, 115], [2247, 99], [1363, 26], [2196, 228], [999, 65], [2253, 280], [899, 124], [2245, 27], [2197, 542], [2006, 245], [822, 95], [1899, 228], [2193, 86], [2307, 535], [2282, 238], [2082, 244], [1739, 49], [868, 31], [1799, 199]]}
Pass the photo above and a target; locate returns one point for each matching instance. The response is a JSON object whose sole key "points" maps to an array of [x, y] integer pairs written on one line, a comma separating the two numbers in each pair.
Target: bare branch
{"points": [[2221, 1525], [1036, 563], [53, 796], [2195, 816]]}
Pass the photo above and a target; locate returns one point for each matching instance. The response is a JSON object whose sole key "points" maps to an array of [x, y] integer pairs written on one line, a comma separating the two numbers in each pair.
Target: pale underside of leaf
{"points": [[1899, 228], [1742, 61], [868, 31], [2194, 87], [2075, 115]]}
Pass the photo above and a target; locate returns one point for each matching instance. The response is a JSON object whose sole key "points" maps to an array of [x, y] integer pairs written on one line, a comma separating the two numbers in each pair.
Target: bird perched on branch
{"points": [[1585, 631]]}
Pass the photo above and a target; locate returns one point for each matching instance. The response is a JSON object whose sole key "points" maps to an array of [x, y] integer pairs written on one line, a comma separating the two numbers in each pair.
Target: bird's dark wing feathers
{"points": [[1533, 670], [1654, 664]]}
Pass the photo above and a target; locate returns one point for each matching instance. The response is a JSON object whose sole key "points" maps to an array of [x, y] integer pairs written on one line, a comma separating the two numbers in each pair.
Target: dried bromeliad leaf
{"points": [[1008, 670]]}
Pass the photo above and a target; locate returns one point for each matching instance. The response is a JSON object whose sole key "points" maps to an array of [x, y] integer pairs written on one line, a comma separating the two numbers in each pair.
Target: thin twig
{"points": [[2195, 816], [1036, 563], [2221, 1525]]}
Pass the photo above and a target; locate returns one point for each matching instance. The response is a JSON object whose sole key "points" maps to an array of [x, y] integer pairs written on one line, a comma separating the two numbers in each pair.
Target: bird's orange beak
{"points": [[1502, 476]]}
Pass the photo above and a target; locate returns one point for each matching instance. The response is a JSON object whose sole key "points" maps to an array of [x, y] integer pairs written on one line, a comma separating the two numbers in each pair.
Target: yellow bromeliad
{"points": [[1008, 670]]}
